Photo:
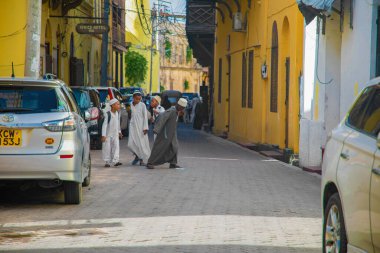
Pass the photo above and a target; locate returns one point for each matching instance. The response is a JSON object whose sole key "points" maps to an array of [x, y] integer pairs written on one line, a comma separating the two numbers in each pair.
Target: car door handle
{"points": [[345, 156], [376, 171]]}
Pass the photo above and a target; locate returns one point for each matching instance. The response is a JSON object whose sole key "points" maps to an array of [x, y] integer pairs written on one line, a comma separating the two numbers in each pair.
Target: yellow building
{"points": [[257, 67], [73, 57], [139, 37], [181, 66]]}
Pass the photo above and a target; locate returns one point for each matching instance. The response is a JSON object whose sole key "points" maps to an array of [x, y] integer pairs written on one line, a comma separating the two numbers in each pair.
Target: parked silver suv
{"points": [[43, 136], [351, 178]]}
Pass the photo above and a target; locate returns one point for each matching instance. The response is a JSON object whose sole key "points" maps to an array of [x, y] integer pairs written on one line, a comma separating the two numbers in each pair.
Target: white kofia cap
{"points": [[158, 98], [113, 101], [137, 92], [182, 102]]}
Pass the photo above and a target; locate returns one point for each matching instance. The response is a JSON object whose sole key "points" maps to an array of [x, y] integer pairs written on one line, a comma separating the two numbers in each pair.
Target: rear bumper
{"points": [[44, 166], [24, 167]]}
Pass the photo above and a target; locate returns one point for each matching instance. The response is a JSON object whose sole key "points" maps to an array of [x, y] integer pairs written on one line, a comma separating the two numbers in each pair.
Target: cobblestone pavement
{"points": [[226, 199]]}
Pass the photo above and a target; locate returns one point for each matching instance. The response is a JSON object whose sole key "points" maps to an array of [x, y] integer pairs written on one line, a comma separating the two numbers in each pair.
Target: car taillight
{"points": [[94, 113], [65, 125]]}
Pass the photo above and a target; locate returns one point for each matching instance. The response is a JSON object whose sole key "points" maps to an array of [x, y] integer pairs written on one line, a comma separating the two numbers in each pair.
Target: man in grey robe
{"points": [[165, 147]]}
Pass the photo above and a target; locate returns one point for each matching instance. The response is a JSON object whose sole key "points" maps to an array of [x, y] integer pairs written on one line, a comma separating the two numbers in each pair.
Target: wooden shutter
{"points": [[244, 81], [250, 79], [274, 70], [220, 81]]}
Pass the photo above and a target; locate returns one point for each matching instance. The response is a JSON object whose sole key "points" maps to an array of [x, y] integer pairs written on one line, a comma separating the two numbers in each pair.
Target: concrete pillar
{"points": [[33, 38]]}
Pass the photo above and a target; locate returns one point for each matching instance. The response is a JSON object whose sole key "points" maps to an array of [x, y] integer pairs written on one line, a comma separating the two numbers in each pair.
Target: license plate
{"points": [[10, 137]]}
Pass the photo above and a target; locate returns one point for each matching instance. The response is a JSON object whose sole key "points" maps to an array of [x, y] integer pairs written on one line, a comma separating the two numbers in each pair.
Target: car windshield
{"points": [[129, 90], [103, 95], [82, 98], [190, 96], [33, 99]]}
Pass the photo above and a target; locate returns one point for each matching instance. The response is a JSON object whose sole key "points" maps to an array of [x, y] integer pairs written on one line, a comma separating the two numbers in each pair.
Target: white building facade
{"points": [[344, 40]]}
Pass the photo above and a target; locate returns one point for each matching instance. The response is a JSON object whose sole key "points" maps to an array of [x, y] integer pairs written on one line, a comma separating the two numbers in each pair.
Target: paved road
{"points": [[227, 199]]}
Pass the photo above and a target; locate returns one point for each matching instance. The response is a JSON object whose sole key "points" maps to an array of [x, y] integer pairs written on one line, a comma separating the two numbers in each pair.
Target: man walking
{"points": [[165, 147], [138, 140], [111, 133]]}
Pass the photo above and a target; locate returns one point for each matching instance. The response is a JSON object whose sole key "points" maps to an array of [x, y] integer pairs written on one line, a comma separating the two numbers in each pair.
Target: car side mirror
{"points": [[87, 116]]}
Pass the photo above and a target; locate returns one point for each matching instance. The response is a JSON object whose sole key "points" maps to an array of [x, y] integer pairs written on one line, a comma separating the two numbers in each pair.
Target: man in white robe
{"points": [[111, 133], [157, 110], [138, 141]]}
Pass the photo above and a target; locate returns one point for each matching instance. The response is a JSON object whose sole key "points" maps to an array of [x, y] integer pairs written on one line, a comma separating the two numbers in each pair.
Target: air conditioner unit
{"points": [[238, 22]]}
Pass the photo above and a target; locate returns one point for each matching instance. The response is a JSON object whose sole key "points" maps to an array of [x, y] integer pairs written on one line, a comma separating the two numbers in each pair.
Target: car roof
{"points": [[102, 87], [31, 81], [374, 81]]}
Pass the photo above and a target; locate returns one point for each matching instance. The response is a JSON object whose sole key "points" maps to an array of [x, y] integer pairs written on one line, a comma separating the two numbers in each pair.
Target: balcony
{"points": [[200, 29]]}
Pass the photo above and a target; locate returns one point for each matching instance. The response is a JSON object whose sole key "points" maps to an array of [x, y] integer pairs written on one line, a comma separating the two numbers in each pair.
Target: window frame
{"points": [[371, 97]]}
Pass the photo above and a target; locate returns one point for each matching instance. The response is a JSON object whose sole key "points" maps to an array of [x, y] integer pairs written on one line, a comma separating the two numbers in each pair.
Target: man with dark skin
{"points": [[165, 147], [138, 140]]}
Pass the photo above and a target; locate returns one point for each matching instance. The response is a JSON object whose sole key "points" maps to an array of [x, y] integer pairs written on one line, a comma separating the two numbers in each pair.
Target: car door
{"points": [[82, 132], [375, 201], [374, 125], [355, 171]]}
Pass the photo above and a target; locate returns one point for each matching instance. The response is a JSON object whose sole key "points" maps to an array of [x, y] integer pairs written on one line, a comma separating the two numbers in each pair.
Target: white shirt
{"points": [[113, 128]]}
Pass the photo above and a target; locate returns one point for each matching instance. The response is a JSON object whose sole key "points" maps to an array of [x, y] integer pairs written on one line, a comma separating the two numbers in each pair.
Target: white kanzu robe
{"points": [[138, 142], [111, 130]]}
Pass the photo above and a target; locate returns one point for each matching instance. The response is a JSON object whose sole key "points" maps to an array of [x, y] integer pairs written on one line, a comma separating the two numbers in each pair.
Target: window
{"points": [[274, 70], [365, 114], [34, 99], [250, 79], [244, 81], [220, 81]]}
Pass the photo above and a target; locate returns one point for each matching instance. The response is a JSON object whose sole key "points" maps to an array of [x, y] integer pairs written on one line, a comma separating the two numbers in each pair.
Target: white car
{"points": [[43, 136], [351, 178]]}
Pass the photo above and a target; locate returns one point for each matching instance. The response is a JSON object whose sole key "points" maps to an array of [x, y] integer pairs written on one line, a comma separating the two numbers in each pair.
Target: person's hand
{"points": [[104, 139], [120, 135], [145, 131]]}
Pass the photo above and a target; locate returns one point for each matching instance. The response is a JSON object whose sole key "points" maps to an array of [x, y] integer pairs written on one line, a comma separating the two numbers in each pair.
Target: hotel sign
{"points": [[92, 28]]}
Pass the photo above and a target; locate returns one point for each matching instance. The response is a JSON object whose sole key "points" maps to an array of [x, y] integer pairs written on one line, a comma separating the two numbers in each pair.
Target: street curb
{"points": [[227, 141]]}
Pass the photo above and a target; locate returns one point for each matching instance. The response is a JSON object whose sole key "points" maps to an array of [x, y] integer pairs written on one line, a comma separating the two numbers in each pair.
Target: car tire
{"points": [[334, 230], [72, 192], [87, 180]]}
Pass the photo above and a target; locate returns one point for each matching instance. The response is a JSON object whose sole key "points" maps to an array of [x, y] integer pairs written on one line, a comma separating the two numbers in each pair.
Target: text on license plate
{"points": [[10, 137]]}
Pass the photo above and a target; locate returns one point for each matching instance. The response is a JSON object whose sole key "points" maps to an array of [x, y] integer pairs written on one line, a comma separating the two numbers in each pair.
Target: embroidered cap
{"points": [[182, 102]]}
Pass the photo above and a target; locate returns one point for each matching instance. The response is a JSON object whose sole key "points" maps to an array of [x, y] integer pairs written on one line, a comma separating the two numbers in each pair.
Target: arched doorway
{"points": [[274, 70], [285, 76]]}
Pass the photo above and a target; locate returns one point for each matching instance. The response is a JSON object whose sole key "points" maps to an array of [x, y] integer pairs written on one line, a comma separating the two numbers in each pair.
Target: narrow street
{"points": [[226, 199]]}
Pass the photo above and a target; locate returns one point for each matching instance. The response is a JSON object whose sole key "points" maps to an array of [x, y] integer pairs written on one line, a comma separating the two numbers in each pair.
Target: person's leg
{"points": [[116, 152], [136, 160], [106, 152], [173, 163]]}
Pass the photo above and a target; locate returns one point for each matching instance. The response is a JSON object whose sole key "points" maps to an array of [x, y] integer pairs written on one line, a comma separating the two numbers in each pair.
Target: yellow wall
{"points": [[54, 30], [258, 124], [12, 47], [141, 42]]}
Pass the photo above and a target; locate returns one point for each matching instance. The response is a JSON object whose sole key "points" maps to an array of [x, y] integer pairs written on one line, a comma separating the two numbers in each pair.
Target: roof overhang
{"points": [[312, 8]]}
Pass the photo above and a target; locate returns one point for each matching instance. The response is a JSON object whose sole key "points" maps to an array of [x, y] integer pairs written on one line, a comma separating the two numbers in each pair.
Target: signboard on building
{"points": [[92, 28]]}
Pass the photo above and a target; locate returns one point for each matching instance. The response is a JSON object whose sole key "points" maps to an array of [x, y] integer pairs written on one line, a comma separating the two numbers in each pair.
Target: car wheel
{"points": [[73, 192], [334, 231], [87, 180]]}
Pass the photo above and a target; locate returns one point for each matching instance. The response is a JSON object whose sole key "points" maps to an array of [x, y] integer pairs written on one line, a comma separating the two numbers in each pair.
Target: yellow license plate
{"points": [[10, 137]]}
